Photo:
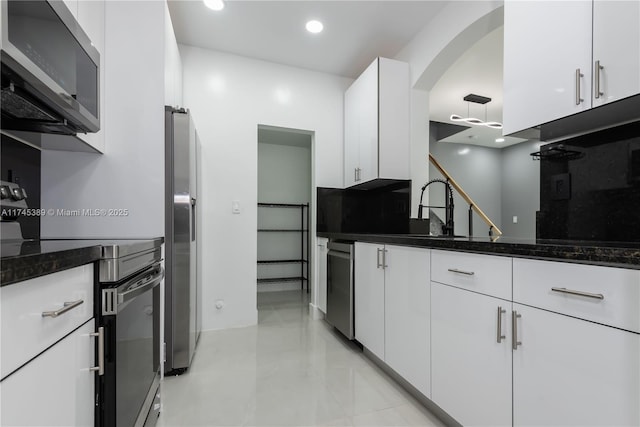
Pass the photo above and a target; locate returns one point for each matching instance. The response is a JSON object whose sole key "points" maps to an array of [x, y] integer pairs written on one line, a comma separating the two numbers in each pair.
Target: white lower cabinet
{"points": [[470, 369], [568, 371], [54, 389], [392, 308], [369, 297], [406, 319]]}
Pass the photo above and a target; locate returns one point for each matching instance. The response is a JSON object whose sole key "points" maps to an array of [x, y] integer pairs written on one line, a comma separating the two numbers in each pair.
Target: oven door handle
{"points": [[138, 290]]}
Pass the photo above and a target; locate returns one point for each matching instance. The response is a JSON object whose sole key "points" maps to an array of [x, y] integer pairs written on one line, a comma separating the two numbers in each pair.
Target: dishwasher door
{"points": [[340, 287]]}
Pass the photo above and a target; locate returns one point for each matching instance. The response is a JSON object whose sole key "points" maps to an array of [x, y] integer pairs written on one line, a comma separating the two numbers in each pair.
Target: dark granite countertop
{"points": [[611, 254], [22, 260]]}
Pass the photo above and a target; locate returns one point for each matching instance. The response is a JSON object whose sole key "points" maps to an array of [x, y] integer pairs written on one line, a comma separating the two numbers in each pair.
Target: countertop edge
{"points": [[620, 257], [16, 269]]}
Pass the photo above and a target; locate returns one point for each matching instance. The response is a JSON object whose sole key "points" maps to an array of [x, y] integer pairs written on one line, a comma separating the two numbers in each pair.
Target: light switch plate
{"points": [[515, 219], [235, 206]]}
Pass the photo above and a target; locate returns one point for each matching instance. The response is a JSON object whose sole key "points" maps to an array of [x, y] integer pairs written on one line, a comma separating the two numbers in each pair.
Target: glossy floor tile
{"points": [[288, 370]]}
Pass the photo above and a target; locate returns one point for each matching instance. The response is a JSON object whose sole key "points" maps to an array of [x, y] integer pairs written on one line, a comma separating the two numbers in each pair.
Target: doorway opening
{"points": [[284, 213]]}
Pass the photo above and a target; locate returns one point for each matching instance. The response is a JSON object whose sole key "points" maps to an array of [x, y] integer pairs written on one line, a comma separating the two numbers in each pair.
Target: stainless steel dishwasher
{"points": [[340, 259]]}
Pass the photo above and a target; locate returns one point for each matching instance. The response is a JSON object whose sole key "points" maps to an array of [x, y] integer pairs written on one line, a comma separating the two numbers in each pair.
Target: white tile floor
{"points": [[288, 370]]}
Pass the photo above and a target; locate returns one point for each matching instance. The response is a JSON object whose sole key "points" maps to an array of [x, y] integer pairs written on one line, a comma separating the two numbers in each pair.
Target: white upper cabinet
{"points": [[376, 124], [616, 49], [547, 61], [551, 53]]}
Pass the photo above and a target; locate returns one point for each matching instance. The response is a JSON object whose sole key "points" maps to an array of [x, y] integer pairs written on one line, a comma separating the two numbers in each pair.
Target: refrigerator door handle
{"points": [[193, 219]]}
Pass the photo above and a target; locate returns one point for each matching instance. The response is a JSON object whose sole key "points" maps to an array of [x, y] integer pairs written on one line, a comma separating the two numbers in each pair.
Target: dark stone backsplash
{"points": [[378, 210], [595, 194]]}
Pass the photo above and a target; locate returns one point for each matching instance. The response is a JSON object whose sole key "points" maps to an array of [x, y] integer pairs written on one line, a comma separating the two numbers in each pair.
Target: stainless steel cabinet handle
{"points": [[579, 293], [514, 329], [100, 335], [384, 258], [578, 76], [378, 257], [69, 305], [359, 174], [466, 273], [499, 336], [355, 174], [597, 79]]}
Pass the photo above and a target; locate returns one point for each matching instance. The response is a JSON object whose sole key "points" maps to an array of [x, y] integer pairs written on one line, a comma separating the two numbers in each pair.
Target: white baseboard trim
{"points": [[315, 313]]}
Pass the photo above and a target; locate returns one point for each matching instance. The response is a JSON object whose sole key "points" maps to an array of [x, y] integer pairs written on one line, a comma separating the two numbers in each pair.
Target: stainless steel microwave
{"points": [[50, 70]]}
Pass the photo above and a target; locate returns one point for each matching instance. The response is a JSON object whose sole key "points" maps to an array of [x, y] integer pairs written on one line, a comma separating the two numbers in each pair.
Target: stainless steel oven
{"points": [[129, 311], [340, 292]]}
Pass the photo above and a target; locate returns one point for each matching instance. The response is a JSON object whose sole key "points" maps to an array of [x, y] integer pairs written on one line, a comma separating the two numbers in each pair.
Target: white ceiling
{"points": [[355, 32]]}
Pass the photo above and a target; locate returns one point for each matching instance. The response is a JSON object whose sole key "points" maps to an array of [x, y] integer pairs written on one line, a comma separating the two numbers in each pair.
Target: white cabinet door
{"points": [[351, 134], [369, 297], [322, 274], [368, 123], [616, 45], [394, 119], [574, 372], [545, 43], [54, 389], [406, 332], [470, 370]]}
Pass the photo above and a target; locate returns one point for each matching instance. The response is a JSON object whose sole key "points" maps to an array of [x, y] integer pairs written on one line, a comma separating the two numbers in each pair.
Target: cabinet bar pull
{"points": [[100, 335], [514, 329], [578, 76], [355, 174], [69, 305], [579, 293], [378, 258], [455, 270], [499, 336], [597, 79]]}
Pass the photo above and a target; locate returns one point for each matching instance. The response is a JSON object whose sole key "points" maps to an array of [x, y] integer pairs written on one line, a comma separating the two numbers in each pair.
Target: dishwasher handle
{"points": [[338, 254]]}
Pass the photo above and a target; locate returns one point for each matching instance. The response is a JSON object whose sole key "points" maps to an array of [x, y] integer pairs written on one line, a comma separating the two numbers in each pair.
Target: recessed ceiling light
{"points": [[499, 139], [314, 26], [463, 151], [214, 4]]}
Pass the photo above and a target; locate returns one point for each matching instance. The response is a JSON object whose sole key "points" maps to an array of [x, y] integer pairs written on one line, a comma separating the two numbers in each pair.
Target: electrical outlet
{"points": [[515, 219], [235, 206]]}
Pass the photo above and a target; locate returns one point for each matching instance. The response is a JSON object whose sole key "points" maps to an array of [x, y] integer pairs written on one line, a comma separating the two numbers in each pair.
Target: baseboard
{"points": [[424, 400], [315, 313]]}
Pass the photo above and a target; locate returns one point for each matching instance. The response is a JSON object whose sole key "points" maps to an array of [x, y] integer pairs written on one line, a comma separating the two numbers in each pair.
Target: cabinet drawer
{"points": [[619, 288], [25, 330], [486, 274]]}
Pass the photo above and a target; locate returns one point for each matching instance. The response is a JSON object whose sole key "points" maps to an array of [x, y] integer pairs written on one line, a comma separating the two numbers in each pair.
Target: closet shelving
{"points": [[302, 227]]}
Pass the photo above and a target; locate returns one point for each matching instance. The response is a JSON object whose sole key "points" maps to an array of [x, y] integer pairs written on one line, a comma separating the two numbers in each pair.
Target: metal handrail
{"points": [[472, 205]]}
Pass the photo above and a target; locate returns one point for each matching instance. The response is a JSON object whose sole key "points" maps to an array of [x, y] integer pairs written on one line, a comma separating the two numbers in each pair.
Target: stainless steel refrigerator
{"points": [[183, 317]]}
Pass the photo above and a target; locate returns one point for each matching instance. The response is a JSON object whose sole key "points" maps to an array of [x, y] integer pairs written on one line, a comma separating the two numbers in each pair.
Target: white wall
{"points": [[479, 173], [229, 97], [130, 175], [172, 64]]}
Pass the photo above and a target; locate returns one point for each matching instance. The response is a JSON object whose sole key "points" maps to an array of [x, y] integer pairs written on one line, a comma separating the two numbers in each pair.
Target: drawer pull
{"points": [[579, 293], [466, 273], [70, 305]]}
